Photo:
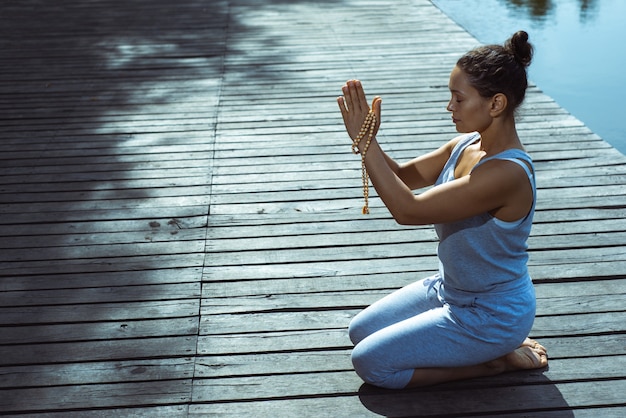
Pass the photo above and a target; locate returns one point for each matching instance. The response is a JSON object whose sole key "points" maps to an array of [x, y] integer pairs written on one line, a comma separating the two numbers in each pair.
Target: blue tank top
{"points": [[483, 254]]}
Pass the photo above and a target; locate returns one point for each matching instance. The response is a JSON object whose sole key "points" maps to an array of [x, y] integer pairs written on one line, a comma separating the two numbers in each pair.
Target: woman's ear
{"points": [[499, 104]]}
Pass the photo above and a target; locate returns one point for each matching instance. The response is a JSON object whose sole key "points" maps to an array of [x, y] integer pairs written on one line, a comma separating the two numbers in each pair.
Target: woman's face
{"points": [[470, 111]]}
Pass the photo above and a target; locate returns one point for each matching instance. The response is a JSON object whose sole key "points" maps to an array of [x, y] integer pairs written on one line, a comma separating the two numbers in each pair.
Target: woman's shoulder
{"points": [[459, 143], [516, 155]]}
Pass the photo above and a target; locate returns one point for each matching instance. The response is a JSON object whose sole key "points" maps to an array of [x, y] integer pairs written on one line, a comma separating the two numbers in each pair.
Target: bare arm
{"points": [[495, 185], [417, 173], [424, 170], [491, 187]]}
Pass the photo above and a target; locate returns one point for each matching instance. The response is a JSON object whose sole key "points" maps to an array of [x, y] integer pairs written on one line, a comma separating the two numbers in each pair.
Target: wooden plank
{"points": [[609, 412], [368, 230], [99, 265], [147, 411], [97, 396], [386, 269], [585, 297], [109, 205], [299, 319], [334, 335], [74, 252], [345, 406], [332, 201], [568, 353], [402, 254], [106, 312], [129, 278], [93, 331], [380, 284], [341, 180], [98, 350], [348, 220], [419, 242], [150, 214], [47, 375], [470, 400]]}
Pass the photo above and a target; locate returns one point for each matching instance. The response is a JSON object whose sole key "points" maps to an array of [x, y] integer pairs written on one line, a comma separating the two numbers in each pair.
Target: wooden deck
{"points": [[180, 214]]}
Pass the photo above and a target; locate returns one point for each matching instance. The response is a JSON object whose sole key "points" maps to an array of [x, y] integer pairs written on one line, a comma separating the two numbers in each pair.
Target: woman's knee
{"points": [[365, 365], [373, 368], [357, 329]]}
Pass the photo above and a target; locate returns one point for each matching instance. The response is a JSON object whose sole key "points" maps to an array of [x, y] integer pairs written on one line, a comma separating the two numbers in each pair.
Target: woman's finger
{"points": [[342, 107], [376, 105], [360, 96], [354, 98], [347, 97]]}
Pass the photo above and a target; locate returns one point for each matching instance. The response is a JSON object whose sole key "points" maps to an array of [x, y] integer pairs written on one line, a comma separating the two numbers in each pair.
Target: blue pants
{"points": [[424, 325]]}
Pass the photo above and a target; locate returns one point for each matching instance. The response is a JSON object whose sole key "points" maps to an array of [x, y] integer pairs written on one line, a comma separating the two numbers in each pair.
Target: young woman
{"points": [[471, 319]]}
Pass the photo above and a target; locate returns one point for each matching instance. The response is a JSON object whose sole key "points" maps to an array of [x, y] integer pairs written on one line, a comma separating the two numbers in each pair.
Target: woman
{"points": [[471, 319]]}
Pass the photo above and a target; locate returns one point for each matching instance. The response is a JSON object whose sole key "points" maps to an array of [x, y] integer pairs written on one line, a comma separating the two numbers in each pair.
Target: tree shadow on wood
{"points": [[109, 112], [471, 398]]}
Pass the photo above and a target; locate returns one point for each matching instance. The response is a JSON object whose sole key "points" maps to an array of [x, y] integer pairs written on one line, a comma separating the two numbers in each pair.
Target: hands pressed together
{"points": [[360, 122], [354, 108]]}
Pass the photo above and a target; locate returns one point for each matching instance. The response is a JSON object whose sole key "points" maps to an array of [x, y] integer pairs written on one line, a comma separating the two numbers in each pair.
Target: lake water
{"points": [[580, 52]]}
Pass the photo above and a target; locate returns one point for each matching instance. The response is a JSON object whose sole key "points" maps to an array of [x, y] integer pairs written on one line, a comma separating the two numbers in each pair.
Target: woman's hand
{"points": [[354, 107]]}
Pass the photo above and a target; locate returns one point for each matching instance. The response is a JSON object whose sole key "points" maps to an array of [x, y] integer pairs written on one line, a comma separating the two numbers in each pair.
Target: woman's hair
{"points": [[493, 69]]}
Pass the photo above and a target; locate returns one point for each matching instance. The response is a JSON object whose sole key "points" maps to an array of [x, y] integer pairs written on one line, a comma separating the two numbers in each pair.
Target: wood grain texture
{"points": [[180, 227]]}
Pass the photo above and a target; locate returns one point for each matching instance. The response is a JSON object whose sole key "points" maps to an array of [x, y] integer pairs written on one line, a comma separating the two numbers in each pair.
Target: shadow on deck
{"points": [[180, 215]]}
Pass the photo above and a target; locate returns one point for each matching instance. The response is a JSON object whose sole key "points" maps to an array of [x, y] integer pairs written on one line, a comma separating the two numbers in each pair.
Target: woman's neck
{"points": [[499, 136]]}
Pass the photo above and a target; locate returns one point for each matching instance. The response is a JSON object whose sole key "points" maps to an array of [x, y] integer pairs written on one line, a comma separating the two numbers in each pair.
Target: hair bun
{"points": [[521, 49]]}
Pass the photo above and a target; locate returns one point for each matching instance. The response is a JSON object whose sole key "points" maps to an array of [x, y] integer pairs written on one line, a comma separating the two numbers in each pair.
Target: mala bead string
{"points": [[368, 127]]}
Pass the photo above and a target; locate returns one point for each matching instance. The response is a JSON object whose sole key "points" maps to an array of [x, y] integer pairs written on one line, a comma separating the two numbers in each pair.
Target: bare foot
{"points": [[526, 358], [530, 355], [533, 344]]}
